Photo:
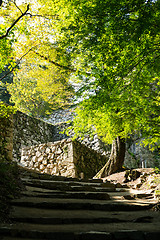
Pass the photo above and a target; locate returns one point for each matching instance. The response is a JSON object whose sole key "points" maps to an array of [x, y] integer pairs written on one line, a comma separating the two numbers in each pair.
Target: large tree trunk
{"points": [[116, 159]]}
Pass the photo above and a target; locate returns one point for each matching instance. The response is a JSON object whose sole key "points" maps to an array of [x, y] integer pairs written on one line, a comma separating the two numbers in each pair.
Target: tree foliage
{"points": [[41, 79], [112, 48], [115, 49], [37, 89]]}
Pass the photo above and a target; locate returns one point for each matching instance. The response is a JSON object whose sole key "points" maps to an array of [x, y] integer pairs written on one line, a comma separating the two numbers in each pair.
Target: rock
{"points": [[53, 148], [68, 140], [50, 166], [138, 185], [38, 154], [128, 197], [54, 171], [71, 166], [48, 150], [118, 185], [34, 159], [26, 164], [132, 174], [24, 158], [153, 185], [42, 167], [40, 159], [50, 156], [59, 151], [47, 171], [49, 144], [44, 162], [36, 165], [31, 164], [42, 148]]}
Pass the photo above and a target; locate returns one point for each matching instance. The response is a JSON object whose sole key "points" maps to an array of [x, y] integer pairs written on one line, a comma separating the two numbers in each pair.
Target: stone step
{"points": [[70, 188], [93, 235], [53, 220], [88, 195], [17, 238], [57, 203], [111, 231], [66, 184], [58, 213], [31, 190], [68, 181], [45, 216], [73, 195], [32, 174]]}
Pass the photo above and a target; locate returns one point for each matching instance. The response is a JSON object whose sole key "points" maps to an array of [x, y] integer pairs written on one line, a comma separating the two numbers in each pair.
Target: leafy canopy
{"points": [[37, 89], [41, 82], [111, 47], [115, 49]]}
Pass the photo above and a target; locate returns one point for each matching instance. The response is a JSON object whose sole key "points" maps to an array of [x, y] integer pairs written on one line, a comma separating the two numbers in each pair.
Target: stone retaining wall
{"points": [[30, 131], [6, 138], [60, 116], [26, 131], [65, 158]]}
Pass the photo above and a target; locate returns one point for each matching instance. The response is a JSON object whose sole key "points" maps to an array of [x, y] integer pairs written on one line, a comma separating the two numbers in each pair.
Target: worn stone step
{"points": [[82, 183], [53, 220], [41, 189], [80, 186], [94, 235], [56, 203], [73, 195], [27, 212], [73, 232], [70, 188], [24, 233], [19, 238], [88, 195], [44, 216], [32, 174]]}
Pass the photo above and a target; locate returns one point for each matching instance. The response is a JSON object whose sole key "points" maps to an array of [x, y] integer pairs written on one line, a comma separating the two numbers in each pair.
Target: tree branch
{"points": [[42, 16], [55, 63], [16, 64], [17, 7], [13, 24]]}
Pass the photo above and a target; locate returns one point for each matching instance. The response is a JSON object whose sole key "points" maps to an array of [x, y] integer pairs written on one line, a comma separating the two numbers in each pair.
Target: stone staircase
{"points": [[59, 208]]}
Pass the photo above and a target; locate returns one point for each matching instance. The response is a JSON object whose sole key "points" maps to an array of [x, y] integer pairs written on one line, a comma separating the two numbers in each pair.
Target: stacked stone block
{"points": [[65, 158], [51, 158]]}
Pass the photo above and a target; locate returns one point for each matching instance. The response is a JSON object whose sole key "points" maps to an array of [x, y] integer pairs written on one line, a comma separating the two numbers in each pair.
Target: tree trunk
{"points": [[116, 159]]}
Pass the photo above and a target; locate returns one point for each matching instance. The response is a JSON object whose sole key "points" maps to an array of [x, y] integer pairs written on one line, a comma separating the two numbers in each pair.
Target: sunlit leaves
{"points": [[41, 81], [113, 48], [117, 43], [39, 87], [6, 110]]}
